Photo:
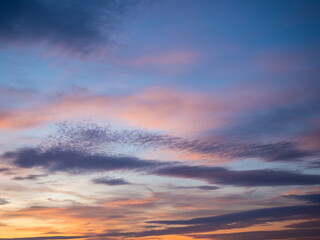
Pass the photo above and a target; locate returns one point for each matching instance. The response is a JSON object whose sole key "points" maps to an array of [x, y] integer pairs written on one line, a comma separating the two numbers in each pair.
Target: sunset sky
{"points": [[159, 120]]}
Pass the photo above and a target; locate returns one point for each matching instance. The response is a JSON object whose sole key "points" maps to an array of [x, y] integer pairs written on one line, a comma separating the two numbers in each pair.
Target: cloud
{"points": [[229, 221], [206, 187], [249, 178], [81, 27], [307, 224], [282, 151], [264, 214], [92, 136], [202, 187], [296, 234], [47, 237], [73, 161], [315, 164], [191, 226], [4, 169], [236, 118], [312, 198], [76, 161], [30, 177], [80, 148], [280, 121], [110, 181], [132, 109], [3, 201]]}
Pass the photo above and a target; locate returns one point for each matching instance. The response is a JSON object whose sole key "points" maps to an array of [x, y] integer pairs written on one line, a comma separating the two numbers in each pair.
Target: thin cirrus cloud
{"points": [[80, 28]]}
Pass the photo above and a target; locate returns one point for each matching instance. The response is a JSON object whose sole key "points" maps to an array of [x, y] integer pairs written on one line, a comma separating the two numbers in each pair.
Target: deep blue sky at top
{"points": [[229, 38]]}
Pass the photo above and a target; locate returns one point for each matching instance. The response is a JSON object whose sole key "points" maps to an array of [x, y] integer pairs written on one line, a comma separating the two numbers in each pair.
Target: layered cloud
{"points": [[233, 220], [191, 227], [57, 159]]}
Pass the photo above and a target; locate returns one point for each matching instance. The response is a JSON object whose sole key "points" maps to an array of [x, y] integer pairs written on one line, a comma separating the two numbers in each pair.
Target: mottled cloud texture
{"points": [[77, 149], [90, 136]]}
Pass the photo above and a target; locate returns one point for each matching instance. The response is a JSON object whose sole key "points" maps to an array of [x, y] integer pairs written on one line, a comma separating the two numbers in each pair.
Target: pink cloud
{"points": [[165, 109], [157, 109]]}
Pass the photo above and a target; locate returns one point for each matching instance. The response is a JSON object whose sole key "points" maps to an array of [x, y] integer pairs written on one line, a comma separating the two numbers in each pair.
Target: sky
{"points": [[159, 120]]}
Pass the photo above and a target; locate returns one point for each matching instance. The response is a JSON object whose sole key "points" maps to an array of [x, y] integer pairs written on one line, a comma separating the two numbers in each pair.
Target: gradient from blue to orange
{"points": [[159, 119]]}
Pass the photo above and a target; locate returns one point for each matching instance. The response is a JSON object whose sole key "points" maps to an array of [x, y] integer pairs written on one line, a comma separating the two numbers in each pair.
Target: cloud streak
{"points": [[57, 159], [252, 178]]}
